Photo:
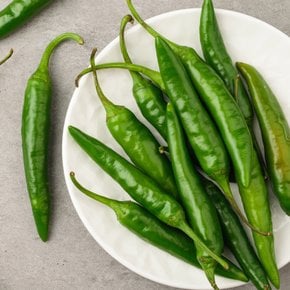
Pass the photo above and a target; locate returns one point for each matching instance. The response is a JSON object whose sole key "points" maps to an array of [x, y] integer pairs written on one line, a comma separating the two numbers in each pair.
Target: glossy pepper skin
{"points": [[275, 133], [35, 135], [200, 130], [139, 186], [217, 57], [236, 238], [218, 100], [199, 209], [136, 140], [146, 226], [256, 204], [6, 57], [17, 12], [149, 98]]}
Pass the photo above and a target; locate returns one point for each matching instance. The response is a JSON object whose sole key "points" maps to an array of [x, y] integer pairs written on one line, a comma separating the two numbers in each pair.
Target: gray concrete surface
{"points": [[71, 259]]}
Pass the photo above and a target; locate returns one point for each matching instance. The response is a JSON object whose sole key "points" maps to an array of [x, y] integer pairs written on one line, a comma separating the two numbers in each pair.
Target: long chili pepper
{"points": [[218, 100], [201, 132], [200, 211], [136, 140], [149, 98], [275, 133], [236, 238], [35, 135], [217, 57], [140, 187], [256, 204], [6, 57], [146, 226], [18, 12]]}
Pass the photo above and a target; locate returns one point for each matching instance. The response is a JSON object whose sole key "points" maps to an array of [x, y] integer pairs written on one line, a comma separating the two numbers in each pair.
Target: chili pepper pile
{"points": [[204, 111]]}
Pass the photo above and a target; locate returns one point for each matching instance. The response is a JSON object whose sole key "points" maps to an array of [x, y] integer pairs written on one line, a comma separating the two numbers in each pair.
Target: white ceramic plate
{"points": [[247, 39]]}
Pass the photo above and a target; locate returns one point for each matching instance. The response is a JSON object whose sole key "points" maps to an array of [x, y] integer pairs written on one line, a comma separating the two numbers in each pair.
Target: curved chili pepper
{"points": [[18, 12], [218, 101], [149, 98], [35, 135], [136, 140], [275, 133], [6, 57], [217, 57], [140, 187], [146, 226], [237, 240], [198, 207]]}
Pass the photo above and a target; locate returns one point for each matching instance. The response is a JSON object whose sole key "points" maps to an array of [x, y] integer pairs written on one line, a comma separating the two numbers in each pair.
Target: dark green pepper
{"points": [[236, 238], [140, 187], [17, 12], [35, 135], [146, 226]]}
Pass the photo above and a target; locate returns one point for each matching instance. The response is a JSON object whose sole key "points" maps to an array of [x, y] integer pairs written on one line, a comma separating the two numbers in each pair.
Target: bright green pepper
{"points": [[136, 140], [35, 135], [140, 187], [146, 226], [17, 12]]}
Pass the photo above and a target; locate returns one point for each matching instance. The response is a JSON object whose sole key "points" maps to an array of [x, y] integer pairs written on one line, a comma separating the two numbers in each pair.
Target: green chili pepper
{"points": [[218, 101], [256, 204], [201, 132], [217, 57], [140, 187], [199, 209], [275, 133], [136, 140], [146, 226], [236, 238], [17, 12], [35, 135], [6, 57], [149, 98]]}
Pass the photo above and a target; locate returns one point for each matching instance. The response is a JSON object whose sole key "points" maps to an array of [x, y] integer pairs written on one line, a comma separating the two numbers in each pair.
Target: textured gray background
{"points": [[71, 259]]}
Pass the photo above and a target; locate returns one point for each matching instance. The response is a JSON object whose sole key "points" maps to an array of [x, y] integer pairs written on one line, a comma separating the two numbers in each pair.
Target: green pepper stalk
{"points": [[6, 57], [136, 140], [200, 211], [35, 135], [140, 187], [149, 98], [146, 226], [17, 12]]}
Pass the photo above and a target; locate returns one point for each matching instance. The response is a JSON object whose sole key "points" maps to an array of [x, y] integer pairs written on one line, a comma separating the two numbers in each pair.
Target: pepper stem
{"points": [[126, 19], [113, 204], [7, 56], [225, 187], [54, 43], [153, 75], [198, 242]]}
